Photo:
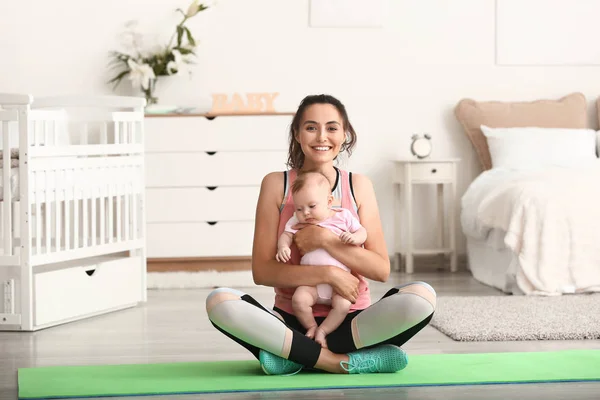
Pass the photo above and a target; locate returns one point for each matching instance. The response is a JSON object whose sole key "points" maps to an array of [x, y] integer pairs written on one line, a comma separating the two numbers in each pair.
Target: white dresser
{"points": [[203, 179]]}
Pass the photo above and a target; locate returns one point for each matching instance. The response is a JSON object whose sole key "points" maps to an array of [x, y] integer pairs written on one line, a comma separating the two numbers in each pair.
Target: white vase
{"points": [[179, 90]]}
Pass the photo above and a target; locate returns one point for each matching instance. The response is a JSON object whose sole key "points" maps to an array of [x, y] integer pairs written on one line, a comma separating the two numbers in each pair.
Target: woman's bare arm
{"points": [[266, 270], [372, 261]]}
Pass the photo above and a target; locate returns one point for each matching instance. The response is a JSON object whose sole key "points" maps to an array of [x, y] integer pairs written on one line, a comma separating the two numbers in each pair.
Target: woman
{"points": [[369, 339]]}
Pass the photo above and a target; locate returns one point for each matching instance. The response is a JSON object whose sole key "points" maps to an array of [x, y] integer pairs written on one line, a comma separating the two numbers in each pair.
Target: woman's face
{"points": [[321, 134]]}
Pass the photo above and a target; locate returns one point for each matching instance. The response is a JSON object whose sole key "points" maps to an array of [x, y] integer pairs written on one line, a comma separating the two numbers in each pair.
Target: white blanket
{"points": [[552, 223]]}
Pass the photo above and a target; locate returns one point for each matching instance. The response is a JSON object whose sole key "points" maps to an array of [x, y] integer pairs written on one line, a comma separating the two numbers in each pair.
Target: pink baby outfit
{"points": [[343, 197], [341, 221]]}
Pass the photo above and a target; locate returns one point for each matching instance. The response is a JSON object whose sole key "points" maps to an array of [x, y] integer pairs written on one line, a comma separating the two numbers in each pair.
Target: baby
{"points": [[312, 198]]}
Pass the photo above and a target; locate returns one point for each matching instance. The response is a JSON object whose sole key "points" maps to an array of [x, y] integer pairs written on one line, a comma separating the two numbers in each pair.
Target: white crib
{"points": [[71, 208]]}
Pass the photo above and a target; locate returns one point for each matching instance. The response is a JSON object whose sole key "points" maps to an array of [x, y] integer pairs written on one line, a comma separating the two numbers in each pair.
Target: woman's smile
{"points": [[322, 148]]}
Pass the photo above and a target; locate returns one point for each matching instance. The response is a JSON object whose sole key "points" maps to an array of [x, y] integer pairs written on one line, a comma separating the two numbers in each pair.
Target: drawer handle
{"points": [[90, 272], [211, 222], [211, 117], [211, 153], [433, 171], [211, 187]]}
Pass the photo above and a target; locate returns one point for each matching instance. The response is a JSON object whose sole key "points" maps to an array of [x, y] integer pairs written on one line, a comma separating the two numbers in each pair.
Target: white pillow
{"points": [[537, 148]]}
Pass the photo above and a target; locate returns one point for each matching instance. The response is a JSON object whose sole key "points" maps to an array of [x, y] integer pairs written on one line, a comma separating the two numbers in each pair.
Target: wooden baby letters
{"points": [[253, 103]]}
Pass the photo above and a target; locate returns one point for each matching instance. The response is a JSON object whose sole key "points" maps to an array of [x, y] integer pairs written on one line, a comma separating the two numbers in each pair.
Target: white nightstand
{"points": [[439, 172]]}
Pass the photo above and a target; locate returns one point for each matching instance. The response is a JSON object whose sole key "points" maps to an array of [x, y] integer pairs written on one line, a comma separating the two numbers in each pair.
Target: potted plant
{"points": [[144, 68]]}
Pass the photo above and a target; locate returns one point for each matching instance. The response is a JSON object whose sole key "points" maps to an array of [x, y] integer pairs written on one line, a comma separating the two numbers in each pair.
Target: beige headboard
{"points": [[598, 112], [598, 127], [567, 112]]}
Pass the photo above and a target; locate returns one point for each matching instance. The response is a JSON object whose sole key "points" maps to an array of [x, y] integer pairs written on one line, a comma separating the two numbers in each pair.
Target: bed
{"points": [[72, 241], [530, 218]]}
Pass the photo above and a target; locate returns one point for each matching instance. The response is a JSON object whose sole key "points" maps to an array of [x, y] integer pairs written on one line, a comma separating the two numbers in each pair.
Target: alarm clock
{"points": [[421, 146]]}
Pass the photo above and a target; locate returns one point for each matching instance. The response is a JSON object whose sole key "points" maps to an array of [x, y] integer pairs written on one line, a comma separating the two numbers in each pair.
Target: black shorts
{"points": [[339, 341]]}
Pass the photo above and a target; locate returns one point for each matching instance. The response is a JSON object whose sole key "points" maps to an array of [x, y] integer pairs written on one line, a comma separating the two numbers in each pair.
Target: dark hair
{"points": [[295, 154], [303, 177]]}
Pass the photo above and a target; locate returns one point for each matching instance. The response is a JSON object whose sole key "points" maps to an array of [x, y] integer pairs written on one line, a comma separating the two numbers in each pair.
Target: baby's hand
{"points": [[348, 238], [283, 254]]}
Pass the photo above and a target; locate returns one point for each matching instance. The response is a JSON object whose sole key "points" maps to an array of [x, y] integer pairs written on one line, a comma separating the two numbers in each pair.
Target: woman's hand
{"points": [[344, 283], [313, 237]]}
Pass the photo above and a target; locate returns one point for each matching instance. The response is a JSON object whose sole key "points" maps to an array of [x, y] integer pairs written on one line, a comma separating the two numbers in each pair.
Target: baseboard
{"points": [[424, 263], [431, 263], [237, 273], [197, 264]]}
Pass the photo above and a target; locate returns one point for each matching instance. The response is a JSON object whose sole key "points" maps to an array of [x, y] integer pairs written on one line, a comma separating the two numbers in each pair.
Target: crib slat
{"points": [[7, 203], [123, 132], [103, 134], [118, 221], [126, 220], [67, 195], [31, 134], [62, 129], [76, 209], [110, 214], [58, 219], [84, 214], [46, 133], [32, 221], [84, 134], [34, 133], [52, 127], [93, 214], [40, 133], [131, 132], [132, 135], [38, 213], [48, 212], [102, 212], [134, 207], [117, 131]]}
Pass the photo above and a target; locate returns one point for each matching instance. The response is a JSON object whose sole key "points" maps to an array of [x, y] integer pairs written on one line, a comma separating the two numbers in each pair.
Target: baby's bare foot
{"points": [[320, 337], [311, 332]]}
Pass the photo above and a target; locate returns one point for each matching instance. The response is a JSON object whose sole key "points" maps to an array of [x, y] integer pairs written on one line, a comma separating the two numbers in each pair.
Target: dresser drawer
{"points": [[234, 133], [431, 171], [220, 169], [201, 204], [200, 239], [425, 171]]}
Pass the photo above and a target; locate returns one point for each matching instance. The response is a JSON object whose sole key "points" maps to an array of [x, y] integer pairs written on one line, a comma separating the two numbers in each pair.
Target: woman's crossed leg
{"points": [[368, 341]]}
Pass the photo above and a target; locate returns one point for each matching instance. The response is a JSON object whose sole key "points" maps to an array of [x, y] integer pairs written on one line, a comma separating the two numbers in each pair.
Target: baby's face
{"points": [[312, 204]]}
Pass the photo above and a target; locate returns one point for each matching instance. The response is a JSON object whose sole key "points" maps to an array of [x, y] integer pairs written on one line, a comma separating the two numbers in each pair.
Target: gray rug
{"points": [[508, 318]]}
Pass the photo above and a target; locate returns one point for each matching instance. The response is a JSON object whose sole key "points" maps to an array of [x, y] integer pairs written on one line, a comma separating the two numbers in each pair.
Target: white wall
{"points": [[395, 81]]}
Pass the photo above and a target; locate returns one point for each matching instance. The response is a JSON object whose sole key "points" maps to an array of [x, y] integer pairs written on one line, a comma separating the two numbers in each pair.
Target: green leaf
{"points": [[184, 50], [179, 35], [190, 38], [116, 62], [117, 79]]}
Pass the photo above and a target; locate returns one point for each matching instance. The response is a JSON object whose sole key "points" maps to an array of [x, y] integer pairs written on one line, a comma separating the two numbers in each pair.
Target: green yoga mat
{"points": [[246, 376]]}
